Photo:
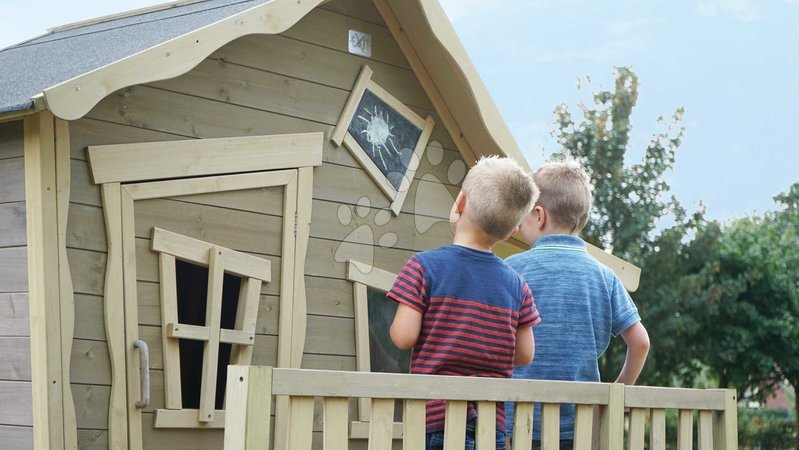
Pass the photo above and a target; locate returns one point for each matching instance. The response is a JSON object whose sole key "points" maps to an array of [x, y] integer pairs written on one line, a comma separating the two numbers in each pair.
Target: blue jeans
{"points": [[435, 440]]}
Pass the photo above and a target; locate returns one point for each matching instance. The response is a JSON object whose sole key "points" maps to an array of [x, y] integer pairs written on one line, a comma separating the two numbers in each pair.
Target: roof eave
{"points": [[74, 98]]}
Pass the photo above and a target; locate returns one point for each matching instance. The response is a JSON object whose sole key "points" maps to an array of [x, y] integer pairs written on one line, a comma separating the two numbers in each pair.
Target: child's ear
{"points": [[541, 217], [460, 202]]}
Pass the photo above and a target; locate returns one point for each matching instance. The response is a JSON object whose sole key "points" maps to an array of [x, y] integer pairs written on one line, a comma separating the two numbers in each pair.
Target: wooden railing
{"points": [[600, 410]]}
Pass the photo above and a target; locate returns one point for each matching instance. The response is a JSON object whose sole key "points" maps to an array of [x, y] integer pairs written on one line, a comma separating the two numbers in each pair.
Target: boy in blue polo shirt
{"points": [[583, 302]]}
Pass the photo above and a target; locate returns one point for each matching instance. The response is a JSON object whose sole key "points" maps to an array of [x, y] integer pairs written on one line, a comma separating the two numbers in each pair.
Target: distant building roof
{"points": [[28, 68]]}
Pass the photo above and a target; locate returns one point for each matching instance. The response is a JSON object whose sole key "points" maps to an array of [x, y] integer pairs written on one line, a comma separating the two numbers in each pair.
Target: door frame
{"points": [[129, 172]]}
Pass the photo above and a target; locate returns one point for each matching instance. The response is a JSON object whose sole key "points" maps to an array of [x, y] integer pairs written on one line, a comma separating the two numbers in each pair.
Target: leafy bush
{"points": [[767, 429]]}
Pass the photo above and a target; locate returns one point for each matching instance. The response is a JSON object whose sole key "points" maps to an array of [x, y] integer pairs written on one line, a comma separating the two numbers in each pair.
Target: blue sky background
{"points": [[733, 65]]}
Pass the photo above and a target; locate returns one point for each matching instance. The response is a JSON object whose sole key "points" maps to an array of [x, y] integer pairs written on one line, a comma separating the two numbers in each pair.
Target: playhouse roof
{"points": [[72, 68]]}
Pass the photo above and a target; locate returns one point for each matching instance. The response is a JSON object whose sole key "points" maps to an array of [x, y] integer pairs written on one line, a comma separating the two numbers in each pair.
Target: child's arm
{"points": [[406, 327], [525, 347], [637, 340]]}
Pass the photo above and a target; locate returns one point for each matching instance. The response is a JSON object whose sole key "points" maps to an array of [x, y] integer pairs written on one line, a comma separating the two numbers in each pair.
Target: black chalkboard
{"points": [[387, 137], [384, 356]]}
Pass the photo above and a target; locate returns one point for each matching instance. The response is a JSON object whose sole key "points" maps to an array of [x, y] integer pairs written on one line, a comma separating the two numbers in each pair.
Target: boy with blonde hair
{"points": [[461, 308], [584, 303]]}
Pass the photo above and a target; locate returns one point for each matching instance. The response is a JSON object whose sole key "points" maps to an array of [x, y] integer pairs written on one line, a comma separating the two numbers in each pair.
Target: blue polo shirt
{"points": [[582, 305]]}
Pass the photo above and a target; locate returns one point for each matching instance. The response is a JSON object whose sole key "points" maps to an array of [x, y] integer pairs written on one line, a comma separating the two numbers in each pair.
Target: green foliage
{"points": [[629, 202], [764, 428], [751, 329]]}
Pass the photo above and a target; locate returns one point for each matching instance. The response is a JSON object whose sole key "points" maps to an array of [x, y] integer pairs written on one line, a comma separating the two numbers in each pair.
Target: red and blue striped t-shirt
{"points": [[472, 303]]}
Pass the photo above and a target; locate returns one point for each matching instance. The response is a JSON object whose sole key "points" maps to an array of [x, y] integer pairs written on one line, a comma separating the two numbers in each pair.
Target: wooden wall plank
{"points": [[14, 320], [13, 270], [330, 30], [16, 438], [12, 172], [11, 139], [93, 439], [12, 222], [90, 362], [91, 405], [19, 394], [89, 320], [364, 11], [88, 271], [15, 364], [301, 60]]}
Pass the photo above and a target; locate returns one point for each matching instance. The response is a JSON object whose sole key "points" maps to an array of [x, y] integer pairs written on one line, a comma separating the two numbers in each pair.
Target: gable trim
{"points": [[74, 98]]}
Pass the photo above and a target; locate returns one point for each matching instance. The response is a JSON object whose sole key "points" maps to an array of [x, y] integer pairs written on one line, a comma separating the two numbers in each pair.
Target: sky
{"points": [[732, 64]]}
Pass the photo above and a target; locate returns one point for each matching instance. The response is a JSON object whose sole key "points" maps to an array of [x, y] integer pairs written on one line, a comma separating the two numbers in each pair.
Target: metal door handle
{"points": [[144, 373]]}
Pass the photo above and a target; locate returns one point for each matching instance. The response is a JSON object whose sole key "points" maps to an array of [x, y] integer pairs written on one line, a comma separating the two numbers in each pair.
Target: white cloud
{"points": [[743, 10]]}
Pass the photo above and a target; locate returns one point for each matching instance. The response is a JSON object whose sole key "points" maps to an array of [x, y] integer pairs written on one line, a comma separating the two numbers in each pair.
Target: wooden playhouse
{"points": [[213, 182]]}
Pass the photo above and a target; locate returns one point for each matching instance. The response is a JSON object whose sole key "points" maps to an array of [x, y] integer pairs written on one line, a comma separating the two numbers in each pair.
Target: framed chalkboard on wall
{"points": [[385, 136]]}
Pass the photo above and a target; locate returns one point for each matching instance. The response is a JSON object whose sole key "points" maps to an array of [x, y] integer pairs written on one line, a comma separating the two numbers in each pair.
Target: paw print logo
{"points": [[432, 201], [433, 187], [361, 241]]}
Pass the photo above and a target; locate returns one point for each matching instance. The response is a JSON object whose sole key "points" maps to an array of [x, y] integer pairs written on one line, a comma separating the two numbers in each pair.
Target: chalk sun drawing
{"points": [[378, 134]]}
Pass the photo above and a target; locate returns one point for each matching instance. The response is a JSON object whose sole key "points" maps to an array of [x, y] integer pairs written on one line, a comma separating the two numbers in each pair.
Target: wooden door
{"points": [[202, 271]]}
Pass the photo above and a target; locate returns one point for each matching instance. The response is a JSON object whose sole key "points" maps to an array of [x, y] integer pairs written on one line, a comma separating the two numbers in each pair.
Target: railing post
{"points": [[725, 423], [248, 405], [613, 419]]}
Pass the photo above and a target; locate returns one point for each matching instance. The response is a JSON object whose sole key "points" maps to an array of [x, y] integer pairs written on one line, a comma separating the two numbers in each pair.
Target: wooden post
{"points": [[47, 200], [583, 425], [725, 423], [705, 430], [248, 405], [455, 425], [613, 419]]}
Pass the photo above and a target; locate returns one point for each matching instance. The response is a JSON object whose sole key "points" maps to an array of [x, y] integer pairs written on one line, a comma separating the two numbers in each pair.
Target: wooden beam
{"points": [[200, 157]]}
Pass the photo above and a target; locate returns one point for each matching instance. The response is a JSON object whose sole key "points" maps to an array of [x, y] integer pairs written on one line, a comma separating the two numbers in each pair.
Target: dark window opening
{"points": [[383, 355], [192, 293]]}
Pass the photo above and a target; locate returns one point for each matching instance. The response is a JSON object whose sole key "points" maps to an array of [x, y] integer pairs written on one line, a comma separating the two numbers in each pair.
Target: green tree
{"points": [[629, 202], [750, 319]]}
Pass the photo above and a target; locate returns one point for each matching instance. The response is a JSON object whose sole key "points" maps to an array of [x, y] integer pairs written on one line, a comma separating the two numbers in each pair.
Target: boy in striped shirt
{"points": [[461, 308]]}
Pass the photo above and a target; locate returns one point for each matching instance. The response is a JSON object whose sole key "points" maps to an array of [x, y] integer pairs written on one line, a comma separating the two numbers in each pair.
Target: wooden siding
{"points": [[256, 85], [16, 423]]}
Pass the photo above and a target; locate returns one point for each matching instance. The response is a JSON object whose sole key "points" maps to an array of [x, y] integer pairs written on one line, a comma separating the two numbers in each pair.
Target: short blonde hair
{"points": [[565, 193], [499, 194]]}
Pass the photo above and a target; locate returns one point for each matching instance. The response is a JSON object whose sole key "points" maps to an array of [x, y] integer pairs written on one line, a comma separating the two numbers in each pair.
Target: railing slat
{"points": [[657, 430], [550, 426], [336, 423], [523, 426], [613, 419], [413, 425], [487, 426], [382, 424], [300, 427], [685, 430], [635, 439], [705, 430], [583, 426], [725, 429], [455, 425]]}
